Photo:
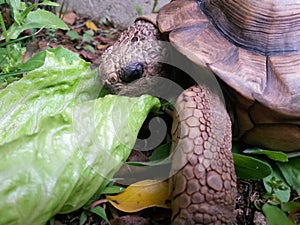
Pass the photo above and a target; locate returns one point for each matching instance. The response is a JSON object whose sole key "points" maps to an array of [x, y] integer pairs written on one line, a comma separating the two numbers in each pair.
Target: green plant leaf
{"points": [[89, 32], [291, 172], [48, 3], [43, 18], [275, 216], [29, 8], [290, 206], [73, 35], [138, 9], [112, 190], [89, 48], [100, 212], [11, 57], [35, 61], [87, 37], [155, 2], [103, 20], [83, 218], [36, 19], [52, 221], [25, 12], [159, 156], [161, 152], [275, 184], [250, 168], [16, 7], [60, 79], [274, 155], [59, 168]]}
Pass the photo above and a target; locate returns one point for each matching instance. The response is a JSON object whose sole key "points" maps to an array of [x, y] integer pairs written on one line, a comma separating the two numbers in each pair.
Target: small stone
{"points": [[259, 219]]}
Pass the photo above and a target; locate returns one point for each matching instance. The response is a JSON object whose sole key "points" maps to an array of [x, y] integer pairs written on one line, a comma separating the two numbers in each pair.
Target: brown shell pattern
{"points": [[253, 46]]}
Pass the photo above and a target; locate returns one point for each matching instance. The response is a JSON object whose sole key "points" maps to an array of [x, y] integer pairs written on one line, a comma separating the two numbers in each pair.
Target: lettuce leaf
{"points": [[75, 152], [59, 145], [59, 79]]}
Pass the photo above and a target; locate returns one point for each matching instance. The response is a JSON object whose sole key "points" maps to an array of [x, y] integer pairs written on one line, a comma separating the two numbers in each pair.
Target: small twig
{"points": [[96, 203]]}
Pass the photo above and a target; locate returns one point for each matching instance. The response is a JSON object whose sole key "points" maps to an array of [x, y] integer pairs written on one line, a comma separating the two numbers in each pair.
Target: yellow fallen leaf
{"points": [[101, 46], [90, 25], [141, 195]]}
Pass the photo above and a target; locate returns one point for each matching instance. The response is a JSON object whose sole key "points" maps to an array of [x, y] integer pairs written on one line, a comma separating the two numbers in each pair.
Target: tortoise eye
{"points": [[132, 72]]}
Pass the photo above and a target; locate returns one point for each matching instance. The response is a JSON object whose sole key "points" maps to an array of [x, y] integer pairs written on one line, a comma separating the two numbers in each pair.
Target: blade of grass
{"points": [[11, 74]]}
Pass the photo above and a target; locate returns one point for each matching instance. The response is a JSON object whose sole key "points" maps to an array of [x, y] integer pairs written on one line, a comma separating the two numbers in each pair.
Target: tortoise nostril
{"points": [[132, 72], [134, 39], [112, 78]]}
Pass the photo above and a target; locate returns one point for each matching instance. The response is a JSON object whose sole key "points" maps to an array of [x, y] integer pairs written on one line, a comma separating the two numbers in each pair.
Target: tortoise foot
{"points": [[204, 182]]}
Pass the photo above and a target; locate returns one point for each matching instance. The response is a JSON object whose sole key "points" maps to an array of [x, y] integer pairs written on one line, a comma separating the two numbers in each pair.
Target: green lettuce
{"points": [[58, 169], [59, 79], [59, 144]]}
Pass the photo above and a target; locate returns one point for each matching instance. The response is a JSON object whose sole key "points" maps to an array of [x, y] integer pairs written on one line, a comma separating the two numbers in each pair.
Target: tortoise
{"points": [[252, 49]]}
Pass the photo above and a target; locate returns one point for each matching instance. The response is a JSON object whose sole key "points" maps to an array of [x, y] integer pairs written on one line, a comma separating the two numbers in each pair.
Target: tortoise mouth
{"points": [[260, 26]]}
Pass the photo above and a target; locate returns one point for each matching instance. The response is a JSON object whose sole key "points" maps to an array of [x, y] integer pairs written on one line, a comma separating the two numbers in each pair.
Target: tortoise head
{"points": [[130, 65]]}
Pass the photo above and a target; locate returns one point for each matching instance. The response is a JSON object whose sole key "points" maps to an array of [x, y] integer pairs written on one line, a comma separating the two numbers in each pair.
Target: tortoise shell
{"points": [[253, 46]]}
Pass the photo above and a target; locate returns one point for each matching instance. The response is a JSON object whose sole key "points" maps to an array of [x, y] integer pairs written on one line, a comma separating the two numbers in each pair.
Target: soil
{"points": [[250, 193]]}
